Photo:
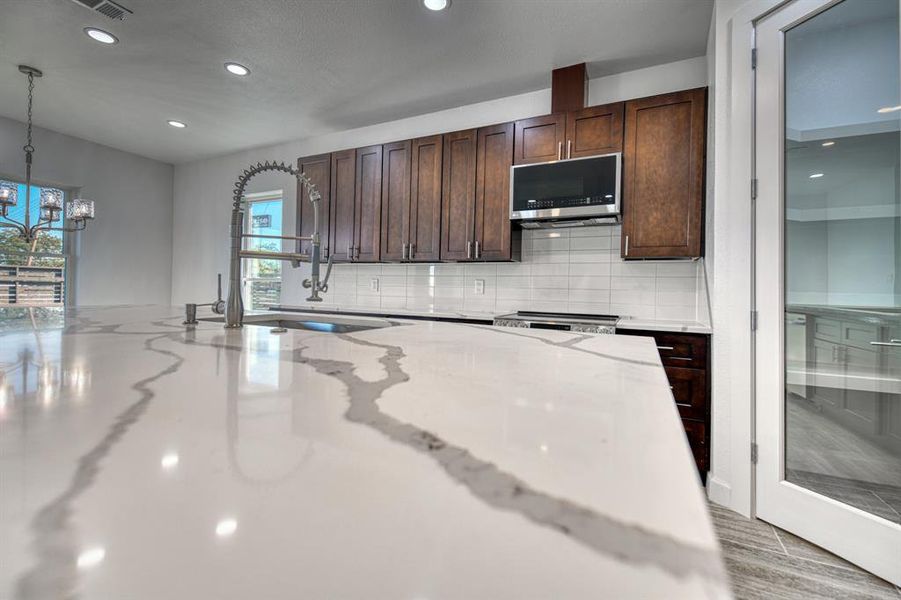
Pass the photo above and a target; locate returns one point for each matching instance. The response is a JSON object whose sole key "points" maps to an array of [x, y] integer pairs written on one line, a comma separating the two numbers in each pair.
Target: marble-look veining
{"points": [[422, 460]]}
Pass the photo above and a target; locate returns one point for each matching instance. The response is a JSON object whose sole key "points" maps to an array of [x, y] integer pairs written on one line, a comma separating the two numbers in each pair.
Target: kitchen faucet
{"points": [[234, 308]]}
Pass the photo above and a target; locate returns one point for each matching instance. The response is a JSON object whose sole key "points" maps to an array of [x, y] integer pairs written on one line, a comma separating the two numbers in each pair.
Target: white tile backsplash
{"points": [[576, 270]]}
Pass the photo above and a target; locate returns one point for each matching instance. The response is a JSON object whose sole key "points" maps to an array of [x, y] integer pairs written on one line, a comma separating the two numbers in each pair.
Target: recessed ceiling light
{"points": [[889, 109], [104, 37], [827, 144], [816, 175], [436, 4], [226, 527], [176, 124], [236, 69]]}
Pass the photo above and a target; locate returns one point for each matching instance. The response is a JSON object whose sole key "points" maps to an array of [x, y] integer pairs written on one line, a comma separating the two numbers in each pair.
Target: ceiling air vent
{"points": [[107, 8]]}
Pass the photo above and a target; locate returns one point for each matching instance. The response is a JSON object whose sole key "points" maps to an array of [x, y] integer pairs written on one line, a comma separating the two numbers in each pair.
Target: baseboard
{"points": [[718, 491]]}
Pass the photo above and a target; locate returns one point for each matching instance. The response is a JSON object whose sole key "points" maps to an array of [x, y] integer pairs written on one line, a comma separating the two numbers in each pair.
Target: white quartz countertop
{"points": [[141, 459]]}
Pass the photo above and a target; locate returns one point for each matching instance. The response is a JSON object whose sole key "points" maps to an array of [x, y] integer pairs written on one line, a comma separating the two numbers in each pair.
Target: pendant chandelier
{"points": [[78, 211]]}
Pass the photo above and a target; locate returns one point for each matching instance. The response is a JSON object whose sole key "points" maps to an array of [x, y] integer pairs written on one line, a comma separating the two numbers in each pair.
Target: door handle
{"points": [[891, 344], [627, 246], [468, 249], [559, 150], [403, 251], [569, 148], [411, 250], [478, 251]]}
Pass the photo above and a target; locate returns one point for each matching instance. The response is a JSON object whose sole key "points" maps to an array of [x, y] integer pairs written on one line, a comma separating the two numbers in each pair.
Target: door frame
{"points": [[858, 536]]}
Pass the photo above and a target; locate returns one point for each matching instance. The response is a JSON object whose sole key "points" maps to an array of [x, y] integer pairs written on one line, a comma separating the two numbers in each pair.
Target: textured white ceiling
{"points": [[317, 66]]}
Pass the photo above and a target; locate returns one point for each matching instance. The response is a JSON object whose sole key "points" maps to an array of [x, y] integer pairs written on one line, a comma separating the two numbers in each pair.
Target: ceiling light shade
{"points": [[176, 124], [237, 69], [51, 204], [8, 194], [889, 109], [436, 4], [99, 35], [51, 199], [80, 209]]}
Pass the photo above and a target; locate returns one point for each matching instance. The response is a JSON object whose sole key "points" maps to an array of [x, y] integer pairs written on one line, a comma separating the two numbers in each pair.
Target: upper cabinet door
{"points": [[458, 195], [492, 218], [540, 139], [425, 199], [395, 229], [318, 170], [663, 180], [343, 174], [368, 204], [595, 130]]}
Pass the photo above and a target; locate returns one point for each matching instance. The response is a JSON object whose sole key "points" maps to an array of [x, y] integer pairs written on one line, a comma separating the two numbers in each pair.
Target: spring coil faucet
{"points": [[234, 309]]}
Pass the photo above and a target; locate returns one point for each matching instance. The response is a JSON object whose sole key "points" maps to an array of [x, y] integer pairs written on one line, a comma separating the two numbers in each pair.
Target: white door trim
{"points": [[858, 536]]}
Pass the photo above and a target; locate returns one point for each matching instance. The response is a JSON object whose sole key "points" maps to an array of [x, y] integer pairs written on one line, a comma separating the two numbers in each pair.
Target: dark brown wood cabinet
{"points": [[368, 204], [686, 360], [318, 170], [425, 199], [458, 195], [663, 175], [594, 130], [539, 139], [343, 192], [587, 132], [411, 199], [494, 156], [395, 200], [475, 222]]}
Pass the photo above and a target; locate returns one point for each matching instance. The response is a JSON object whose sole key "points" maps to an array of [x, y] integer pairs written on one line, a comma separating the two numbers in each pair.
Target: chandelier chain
{"points": [[28, 146]]}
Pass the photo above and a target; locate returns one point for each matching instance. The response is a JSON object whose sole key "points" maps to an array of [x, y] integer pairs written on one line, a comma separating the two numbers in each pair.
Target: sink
{"points": [[309, 322]]}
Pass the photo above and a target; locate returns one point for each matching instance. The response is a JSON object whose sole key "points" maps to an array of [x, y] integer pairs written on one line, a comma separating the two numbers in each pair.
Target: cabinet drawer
{"points": [[689, 388], [696, 432], [688, 350], [681, 350], [827, 329], [859, 335]]}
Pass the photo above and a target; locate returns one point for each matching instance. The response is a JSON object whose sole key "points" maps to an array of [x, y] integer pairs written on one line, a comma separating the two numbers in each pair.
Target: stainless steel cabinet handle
{"points": [[569, 148], [350, 252], [403, 251], [468, 249], [664, 347], [358, 253], [679, 358], [559, 150], [891, 344], [478, 251], [411, 250], [627, 246]]}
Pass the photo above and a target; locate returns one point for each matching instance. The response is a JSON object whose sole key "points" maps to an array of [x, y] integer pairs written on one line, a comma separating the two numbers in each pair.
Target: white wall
{"points": [[203, 189], [125, 256]]}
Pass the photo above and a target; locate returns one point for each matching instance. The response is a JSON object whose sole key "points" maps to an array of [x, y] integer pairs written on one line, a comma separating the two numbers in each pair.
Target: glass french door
{"points": [[828, 277]]}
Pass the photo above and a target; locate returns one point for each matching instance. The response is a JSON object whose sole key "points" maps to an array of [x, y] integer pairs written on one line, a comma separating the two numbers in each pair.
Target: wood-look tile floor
{"points": [[765, 562]]}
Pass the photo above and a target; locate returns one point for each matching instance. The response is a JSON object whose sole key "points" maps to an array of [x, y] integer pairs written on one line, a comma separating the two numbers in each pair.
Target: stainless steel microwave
{"points": [[584, 190]]}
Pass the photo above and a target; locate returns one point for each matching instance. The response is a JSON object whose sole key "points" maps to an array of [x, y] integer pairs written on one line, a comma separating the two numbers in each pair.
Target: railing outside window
{"points": [[32, 274]]}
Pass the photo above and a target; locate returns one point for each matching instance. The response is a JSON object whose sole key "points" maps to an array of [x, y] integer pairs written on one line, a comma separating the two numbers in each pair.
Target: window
{"points": [[263, 278], [31, 274]]}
